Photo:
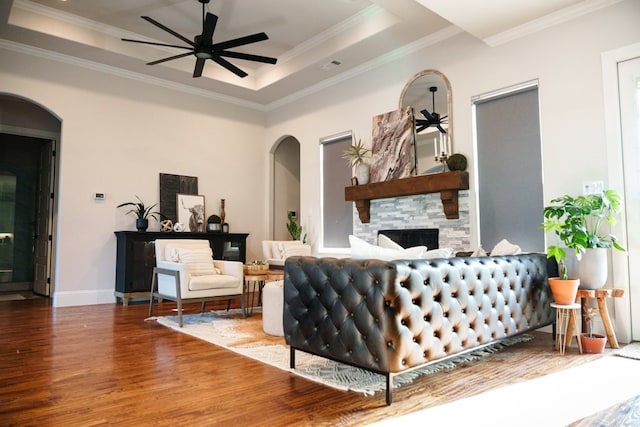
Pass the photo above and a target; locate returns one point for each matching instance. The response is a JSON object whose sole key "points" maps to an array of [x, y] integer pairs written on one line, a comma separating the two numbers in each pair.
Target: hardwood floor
{"points": [[105, 365]]}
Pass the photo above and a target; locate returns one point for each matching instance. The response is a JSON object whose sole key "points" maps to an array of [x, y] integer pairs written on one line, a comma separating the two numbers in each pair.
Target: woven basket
{"points": [[256, 268]]}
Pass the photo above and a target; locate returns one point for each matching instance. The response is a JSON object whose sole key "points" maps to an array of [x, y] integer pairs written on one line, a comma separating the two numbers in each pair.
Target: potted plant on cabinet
{"points": [[590, 342], [577, 222], [356, 154], [142, 213]]}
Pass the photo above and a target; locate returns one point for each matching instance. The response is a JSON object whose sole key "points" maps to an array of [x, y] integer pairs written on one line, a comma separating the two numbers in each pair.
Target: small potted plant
{"points": [[295, 229], [576, 221], [590, 342], [356, 154], [142, 213]]}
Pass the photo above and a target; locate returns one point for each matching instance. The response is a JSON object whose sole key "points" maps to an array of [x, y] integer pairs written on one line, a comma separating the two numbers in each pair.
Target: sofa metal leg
{"points": [[292, 357], [389, 383]]}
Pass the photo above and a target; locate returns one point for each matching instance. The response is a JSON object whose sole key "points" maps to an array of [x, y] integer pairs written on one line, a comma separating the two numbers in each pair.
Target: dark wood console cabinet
{"points": [[135, 257]]}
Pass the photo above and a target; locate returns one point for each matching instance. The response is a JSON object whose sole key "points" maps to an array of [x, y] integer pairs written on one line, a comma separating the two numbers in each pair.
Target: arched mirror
{"points": [[429, 93]]}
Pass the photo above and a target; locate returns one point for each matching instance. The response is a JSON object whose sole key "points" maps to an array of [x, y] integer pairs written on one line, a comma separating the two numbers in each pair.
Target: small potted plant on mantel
{"points": [[356, 154], [142, 213], [576, 221], [591, 343]]}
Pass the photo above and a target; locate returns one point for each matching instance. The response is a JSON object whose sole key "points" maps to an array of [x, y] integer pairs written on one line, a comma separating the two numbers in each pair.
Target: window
{"points": [[509, 168], [337, 214]]}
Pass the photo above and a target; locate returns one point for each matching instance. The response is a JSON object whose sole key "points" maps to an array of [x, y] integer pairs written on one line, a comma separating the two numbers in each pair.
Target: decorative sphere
{"points": [[166, 225], [457, 162], [178, 227]]}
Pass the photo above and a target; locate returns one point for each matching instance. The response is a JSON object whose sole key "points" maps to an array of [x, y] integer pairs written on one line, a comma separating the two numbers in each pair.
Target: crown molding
{"points": [[548, 21], [392, 56], [119, 72]]}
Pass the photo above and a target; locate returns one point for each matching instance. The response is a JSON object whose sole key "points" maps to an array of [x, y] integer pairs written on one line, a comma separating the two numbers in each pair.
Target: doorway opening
{"points": [[28, 137]]}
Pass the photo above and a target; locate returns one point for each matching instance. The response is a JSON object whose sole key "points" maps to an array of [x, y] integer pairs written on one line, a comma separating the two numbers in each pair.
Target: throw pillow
{"points": [[282, 247], [479, 252], [438, 253], [504, 247], [387, 242], [171, 253], [363, 250], [198, 261], [296, 250]]}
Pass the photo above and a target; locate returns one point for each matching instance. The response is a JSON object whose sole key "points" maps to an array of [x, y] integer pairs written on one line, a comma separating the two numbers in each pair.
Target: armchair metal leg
{"points": [[154, 282], [178, 299]]}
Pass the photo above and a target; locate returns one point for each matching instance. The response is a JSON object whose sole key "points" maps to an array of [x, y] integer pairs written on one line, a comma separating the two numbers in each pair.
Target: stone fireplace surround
{"points": [[421, 211]]}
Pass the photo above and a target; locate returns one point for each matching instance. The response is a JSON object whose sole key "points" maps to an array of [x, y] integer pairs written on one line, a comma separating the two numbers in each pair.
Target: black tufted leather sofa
{"points": [[390, 317]]}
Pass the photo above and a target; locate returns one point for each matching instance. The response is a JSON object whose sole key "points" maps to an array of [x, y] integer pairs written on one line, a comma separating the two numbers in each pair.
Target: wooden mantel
{"points": [[446, 183]]}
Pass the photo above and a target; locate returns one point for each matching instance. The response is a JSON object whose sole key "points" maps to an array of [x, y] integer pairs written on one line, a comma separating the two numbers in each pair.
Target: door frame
{"points": [[55, 161], [612, 120]]}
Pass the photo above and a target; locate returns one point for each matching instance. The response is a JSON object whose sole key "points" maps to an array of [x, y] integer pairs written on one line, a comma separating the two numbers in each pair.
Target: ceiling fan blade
{"points": [[182, 55], [209, 27], [247, 56], [168, 30], [241, 41], [229, 66], [197, 71], [441, 129], [156, 44], [428, 115], [421, 128]]}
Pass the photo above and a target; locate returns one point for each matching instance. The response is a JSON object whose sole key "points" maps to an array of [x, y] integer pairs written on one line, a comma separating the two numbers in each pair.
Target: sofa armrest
{"points": [[230, 268]]}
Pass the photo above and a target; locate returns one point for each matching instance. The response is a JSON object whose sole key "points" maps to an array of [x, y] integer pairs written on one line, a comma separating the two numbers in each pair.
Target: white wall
{"points": [[566, 59], [118, 135]]}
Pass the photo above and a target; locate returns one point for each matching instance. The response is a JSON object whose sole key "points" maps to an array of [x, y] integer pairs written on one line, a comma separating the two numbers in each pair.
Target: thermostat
{"points": [[99, 196]]}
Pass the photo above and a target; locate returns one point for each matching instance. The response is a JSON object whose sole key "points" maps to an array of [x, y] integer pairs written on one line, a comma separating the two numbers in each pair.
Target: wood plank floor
{"points": [[105, 365]]}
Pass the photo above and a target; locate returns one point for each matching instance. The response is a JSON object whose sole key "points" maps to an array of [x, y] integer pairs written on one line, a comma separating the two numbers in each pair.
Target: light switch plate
{"points": [[593, 187]]}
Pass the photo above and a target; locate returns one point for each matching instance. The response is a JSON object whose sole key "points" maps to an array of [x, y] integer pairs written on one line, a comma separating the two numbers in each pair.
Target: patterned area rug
{"points": [[245, 337]]}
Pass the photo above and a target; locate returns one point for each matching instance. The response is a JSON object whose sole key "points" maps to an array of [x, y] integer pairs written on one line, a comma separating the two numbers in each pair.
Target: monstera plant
{"points": [[577, 221]]}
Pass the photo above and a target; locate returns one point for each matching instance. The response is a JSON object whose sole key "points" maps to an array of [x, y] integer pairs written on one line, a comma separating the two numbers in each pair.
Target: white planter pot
{"points": [[363, 171], [591, 269]]}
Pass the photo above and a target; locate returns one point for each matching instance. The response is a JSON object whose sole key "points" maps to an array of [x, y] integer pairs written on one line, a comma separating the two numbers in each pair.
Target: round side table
{"points": [[564, 314]]}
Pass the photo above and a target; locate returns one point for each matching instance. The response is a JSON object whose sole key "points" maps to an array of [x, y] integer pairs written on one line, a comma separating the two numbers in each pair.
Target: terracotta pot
{"points": [[564, 291], [593, 343]]}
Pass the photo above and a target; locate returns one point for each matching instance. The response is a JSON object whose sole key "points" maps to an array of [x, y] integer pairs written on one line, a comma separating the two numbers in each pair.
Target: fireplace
{"points": [[407, 238]]}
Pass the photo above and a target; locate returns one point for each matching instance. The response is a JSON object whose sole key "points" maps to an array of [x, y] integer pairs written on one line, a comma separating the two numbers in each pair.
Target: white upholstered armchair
{"points": [[275, 252], [186, 272]]}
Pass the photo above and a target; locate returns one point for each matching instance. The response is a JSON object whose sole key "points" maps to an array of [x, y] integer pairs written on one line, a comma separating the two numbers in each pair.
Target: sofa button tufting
{"points": [[389, 344]]}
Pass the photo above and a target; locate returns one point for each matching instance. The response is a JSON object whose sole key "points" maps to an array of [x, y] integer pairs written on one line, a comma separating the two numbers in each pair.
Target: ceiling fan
{"points": [[203, 48], [433, 118]]}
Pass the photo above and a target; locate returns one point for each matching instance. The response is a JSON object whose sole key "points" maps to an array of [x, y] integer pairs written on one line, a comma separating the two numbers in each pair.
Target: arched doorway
{"points": [[286, 185], [29, 135]]}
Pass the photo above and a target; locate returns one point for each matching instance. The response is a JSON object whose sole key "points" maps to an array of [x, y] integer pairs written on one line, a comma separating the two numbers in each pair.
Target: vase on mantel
{"points": [[363, 172]]}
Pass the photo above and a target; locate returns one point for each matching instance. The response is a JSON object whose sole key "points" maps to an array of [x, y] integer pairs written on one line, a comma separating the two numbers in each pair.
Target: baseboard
{"points": [[67, 299]]}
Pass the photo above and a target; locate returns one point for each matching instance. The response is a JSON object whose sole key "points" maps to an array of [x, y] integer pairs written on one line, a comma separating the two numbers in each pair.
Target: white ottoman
{"points": [[272, 306]]}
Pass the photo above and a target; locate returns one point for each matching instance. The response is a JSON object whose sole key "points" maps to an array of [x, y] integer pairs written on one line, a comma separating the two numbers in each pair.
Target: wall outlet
{"points": [[593, 187]]}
